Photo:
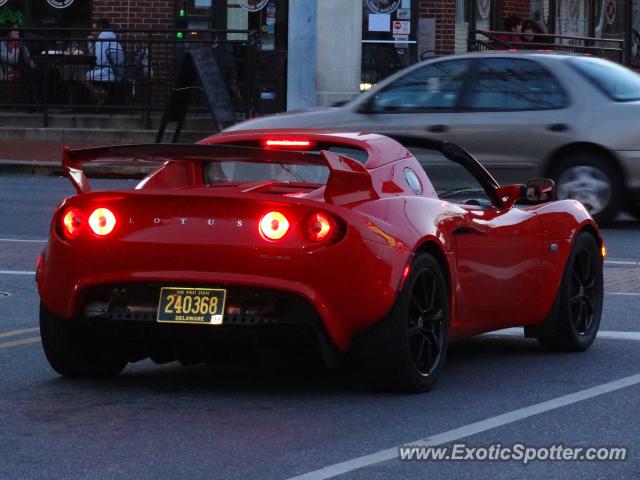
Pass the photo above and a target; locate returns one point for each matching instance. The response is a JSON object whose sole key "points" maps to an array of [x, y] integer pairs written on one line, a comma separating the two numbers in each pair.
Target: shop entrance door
{"points": [[269, 19]]}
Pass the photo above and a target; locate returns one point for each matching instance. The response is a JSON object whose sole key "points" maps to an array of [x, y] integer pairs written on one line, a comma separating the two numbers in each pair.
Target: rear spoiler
{"points": [[349, 181]]}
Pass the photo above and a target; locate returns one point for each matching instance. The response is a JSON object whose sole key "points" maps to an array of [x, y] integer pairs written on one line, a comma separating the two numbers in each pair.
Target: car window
{"points": [[513, 84], [616, 81], [434, 86], [451, 181], [233, 172]]}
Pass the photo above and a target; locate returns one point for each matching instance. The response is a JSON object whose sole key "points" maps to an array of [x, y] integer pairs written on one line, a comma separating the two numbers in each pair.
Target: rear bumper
{"points": [[346, 287]]}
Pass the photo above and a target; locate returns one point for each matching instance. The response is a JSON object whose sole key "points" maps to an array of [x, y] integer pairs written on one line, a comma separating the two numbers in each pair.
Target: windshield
{"points": [[243, 172], [237, 171], [617, 82]]}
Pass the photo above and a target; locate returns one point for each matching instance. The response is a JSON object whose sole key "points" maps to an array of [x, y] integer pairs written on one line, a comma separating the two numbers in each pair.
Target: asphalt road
{"points": [[172, 422]]}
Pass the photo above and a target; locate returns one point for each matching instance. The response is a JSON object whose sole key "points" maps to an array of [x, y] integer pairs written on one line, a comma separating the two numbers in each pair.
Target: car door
{"points": [[497, 249], [513, 114]]}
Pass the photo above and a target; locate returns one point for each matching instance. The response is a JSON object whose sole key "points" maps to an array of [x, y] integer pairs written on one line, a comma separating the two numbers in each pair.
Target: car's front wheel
{"points": [[591, 179], [74, 350], [407, 350], [580, 298]]}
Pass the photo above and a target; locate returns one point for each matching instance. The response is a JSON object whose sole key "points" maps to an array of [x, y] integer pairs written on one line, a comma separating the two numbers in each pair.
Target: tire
{"points": [[590, 178], [407, 350], [580, 298], [74, 350]]}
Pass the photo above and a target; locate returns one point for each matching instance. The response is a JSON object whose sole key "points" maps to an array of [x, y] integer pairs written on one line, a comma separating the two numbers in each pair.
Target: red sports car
{"points": [[284, 240]]}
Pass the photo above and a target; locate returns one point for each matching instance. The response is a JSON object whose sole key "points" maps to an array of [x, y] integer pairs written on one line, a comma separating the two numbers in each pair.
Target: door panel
{"points": [[515, 113], [498, 264]]}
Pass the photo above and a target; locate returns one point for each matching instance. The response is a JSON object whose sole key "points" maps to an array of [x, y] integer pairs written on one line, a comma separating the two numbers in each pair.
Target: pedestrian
{"points": [[110, 58], [511, 38], [15, 59], [532, 32]]}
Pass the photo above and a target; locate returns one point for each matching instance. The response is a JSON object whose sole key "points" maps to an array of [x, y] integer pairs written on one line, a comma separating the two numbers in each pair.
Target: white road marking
{"points": [[608, 334], [13, 333], [627, 294], [620, 262], [471, 429], [17, 343], [16, 272], [21, 240]]}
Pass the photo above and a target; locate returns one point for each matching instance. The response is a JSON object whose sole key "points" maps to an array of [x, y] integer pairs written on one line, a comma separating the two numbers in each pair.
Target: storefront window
{"points": [[388, 38], [46, 13], [12, 12], [610, 19], [572, 17]]}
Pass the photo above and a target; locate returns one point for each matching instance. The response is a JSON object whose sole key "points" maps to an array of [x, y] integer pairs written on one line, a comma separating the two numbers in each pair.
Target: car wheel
{"points": [[580, 298], [590, 178], [407, 350], [75, 351]]}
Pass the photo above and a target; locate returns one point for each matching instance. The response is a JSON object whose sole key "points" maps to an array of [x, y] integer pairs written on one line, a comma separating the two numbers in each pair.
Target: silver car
{"points": [[523, 115]]}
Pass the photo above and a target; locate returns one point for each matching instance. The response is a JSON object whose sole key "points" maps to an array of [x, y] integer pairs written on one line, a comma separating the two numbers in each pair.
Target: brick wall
{"points": [[520, 8], [139, 14], [444, 11]]}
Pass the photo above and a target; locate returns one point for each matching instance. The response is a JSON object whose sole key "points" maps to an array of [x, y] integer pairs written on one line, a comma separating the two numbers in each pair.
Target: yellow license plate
{"points": [[191, 305]]}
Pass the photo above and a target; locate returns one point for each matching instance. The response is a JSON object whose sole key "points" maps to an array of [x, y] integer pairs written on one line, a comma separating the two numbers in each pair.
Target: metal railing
{"points": [[63, 70], [611, 49]]}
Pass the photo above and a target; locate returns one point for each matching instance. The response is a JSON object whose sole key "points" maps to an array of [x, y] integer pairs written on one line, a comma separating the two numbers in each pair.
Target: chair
{"points": [[130, 72]]}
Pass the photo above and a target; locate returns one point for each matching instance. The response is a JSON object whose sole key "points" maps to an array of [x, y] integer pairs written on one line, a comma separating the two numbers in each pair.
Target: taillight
{"points": [[102, 221], [72, 222], [319, 226], [273, 226], [295, 144]]}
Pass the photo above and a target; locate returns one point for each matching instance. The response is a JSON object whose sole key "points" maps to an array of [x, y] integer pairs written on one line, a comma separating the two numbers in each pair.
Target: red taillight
{"points": [[102, 221], [319, 227], [273, 226], [72, 222], [295, 144]]}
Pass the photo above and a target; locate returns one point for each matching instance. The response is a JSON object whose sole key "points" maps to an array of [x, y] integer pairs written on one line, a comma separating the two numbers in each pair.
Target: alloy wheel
{"points": [[426, 322], [582, 300], [589, 185]]}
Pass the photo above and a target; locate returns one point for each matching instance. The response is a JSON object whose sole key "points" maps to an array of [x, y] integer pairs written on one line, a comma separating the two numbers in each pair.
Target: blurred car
{"points": [[311, 242], [522, 115]]}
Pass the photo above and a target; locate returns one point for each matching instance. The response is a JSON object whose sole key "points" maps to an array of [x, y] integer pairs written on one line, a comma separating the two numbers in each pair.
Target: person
{"points": [[512, 27], [15, 59], [103, 44], [531, 34]]}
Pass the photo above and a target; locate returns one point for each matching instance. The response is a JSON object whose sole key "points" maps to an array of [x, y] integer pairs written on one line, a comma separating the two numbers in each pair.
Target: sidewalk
{"points": [[28, 156]]}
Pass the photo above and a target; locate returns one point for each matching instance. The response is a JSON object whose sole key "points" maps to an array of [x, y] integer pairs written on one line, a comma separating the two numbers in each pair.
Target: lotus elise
{"points": [[312, 243]]}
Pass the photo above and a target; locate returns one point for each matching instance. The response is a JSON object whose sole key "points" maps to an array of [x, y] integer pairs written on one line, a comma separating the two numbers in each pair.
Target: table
{"points": [[71, 67]]}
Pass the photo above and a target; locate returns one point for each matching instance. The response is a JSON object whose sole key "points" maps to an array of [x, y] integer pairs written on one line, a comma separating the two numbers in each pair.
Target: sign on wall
{"points": [[59, 3], [383, 6], [253, 5]]}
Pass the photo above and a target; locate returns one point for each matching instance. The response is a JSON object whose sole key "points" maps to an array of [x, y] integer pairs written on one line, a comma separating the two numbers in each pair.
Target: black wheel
{"points": [[580, 298], [407, 350], [76, 351], [590, 178]]}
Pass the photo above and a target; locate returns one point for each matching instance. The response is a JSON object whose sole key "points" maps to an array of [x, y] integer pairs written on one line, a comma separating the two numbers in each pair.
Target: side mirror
{"points": [[539, 190]]}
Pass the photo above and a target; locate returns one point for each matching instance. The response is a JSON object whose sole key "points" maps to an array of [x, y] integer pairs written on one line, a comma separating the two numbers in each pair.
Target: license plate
{"points": [[191, 305]]}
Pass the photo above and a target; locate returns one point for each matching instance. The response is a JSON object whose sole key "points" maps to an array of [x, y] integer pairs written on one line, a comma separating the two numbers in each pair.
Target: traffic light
{"points": [[181, 23]]}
